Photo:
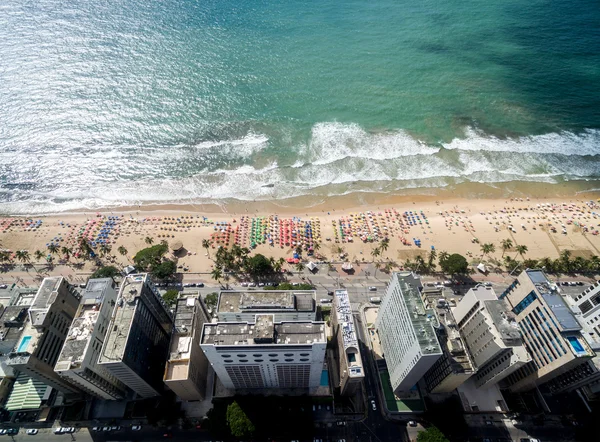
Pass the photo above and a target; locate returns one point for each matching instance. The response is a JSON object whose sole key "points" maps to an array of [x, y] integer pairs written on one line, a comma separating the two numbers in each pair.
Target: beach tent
{"points": [[347, 266], [311, 266], [481, 268], [176, 245]]}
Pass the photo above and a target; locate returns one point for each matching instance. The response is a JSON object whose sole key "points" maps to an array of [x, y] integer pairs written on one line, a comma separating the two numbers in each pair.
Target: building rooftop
{"points": [[553, 300], [455, 348], [345, 319], [505, 321], [132, 288], [266, 300], [423, 320], [258, 333], [44, 298], [80, 333]]}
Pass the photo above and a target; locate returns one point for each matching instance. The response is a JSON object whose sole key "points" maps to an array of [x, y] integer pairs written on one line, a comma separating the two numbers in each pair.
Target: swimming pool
{"points": [[576, 344], [24, 344], [324, 378]]}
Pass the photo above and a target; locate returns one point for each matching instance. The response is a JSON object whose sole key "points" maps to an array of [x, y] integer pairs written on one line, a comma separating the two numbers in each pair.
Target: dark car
{"points": [[330, 293]]}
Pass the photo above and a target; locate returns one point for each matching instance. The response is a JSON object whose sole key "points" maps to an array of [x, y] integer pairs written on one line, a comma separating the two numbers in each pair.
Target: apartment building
{"points": [[186, 370], [284, 305], [78, 359], [43, 333], [351, 372], [550, 331], [265, 355], [406, 331], [490, 331], [137, 342]]}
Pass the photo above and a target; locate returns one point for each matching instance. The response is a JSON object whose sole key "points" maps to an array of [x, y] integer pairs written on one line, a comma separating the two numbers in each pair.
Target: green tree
{"points": [[431, 260], [164, 270], [122, 250], [258, 266], [53, 248], [170, 296], [238, 421], [506, 244], [149, 240], [384, 246], [22, 255], [431, 434], [206, 245], [66, 251], [211, 300], [149, 257], [488, 248], [454, 264], [375, 253], [521, 249], [299, 267], [38, 255], [105, 272], [216, 274], [565, 261]]}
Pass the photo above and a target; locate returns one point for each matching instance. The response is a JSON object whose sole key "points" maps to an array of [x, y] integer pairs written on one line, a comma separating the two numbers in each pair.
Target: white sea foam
{"points": [[337, 159]]}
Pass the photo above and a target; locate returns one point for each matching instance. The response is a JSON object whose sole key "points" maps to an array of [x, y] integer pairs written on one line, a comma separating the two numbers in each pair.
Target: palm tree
{"points": [[66, 251], [565, 261], [375, 253], [594, 263], [216, 274], [206, 245], [104, 249], [316, 246], [299, 267], [148, 240], [53, 248], [85, 248], [388, 266], [38, 255], [506, 244], [22, 255], [431, 260], [122, 250], [521, 249], [385, 244], [488, 248]]}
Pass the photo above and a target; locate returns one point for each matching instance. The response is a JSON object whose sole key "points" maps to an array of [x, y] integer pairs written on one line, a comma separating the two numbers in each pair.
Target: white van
{"points": [[325, 301], [375, 300]]}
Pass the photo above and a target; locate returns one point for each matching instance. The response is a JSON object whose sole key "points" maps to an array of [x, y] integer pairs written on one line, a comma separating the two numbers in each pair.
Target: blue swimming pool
{"points": [[575, 344], [324, 378], [24, 343]]}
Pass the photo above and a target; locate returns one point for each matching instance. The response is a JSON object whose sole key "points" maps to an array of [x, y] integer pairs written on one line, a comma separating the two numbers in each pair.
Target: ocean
{"points": [[120, 103]]}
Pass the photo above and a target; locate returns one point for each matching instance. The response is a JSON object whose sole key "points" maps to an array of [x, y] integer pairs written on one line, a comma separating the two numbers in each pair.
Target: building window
{"points": [[258, 360], [525, 302]]}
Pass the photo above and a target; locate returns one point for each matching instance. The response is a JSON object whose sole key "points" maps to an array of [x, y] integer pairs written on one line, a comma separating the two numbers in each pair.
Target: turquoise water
{"points": [[576, 344], [324, 378], [113, 103], [24, 343]]}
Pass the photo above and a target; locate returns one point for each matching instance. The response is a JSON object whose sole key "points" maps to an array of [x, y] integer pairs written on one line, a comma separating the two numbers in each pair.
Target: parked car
{"points": [[3, 432], [97, 429], [200, 284], [372, 289], [58, 430], [189, 284], [579, 283], [412, 424], [68, 430], [373, 405], [105, 429], [136, 427], [115, 428], [3, 286], [330, 293], [32, 431], [12, 431], [341, 423]]}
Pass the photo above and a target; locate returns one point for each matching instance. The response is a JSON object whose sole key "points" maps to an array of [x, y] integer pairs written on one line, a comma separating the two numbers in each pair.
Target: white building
{"points": [[406, 332], [136, 345], [284, 305], [491, 335], [263, 354], [43, 333], [78, 360], [550, 331], [351, 372]]}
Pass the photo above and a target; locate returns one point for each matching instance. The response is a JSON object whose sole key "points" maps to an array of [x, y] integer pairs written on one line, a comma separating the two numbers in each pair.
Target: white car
{"points": [[373, 405], [3, 432], [136, 427], [32, 431], [58, 430], [68, 430], [412, 424]]}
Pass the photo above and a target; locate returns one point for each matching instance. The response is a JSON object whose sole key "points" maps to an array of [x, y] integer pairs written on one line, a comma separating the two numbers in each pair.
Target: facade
{"points": [[78, 360], [344, 331], [43, 333], [136, 345], [263, 355], [186, 370], [491, 334], [550, 331], [455, 365], [284, 305], [407, 332]]}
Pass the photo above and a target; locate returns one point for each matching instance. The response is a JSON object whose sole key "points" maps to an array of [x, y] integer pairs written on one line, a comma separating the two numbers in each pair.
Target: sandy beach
{"points": [[414, 226]]}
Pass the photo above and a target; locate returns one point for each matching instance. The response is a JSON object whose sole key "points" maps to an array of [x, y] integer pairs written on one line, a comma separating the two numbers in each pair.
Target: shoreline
{"points": [[353, 201]]}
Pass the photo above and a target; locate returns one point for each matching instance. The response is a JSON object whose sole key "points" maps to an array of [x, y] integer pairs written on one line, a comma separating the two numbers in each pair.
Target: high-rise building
{"points": [[186, 369], [406, 331], [549, 329], [137, 341], [491, 334], [455, 365], [351, 372], [284, 305], [43, 333], [263, 354], [78, 360]]}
